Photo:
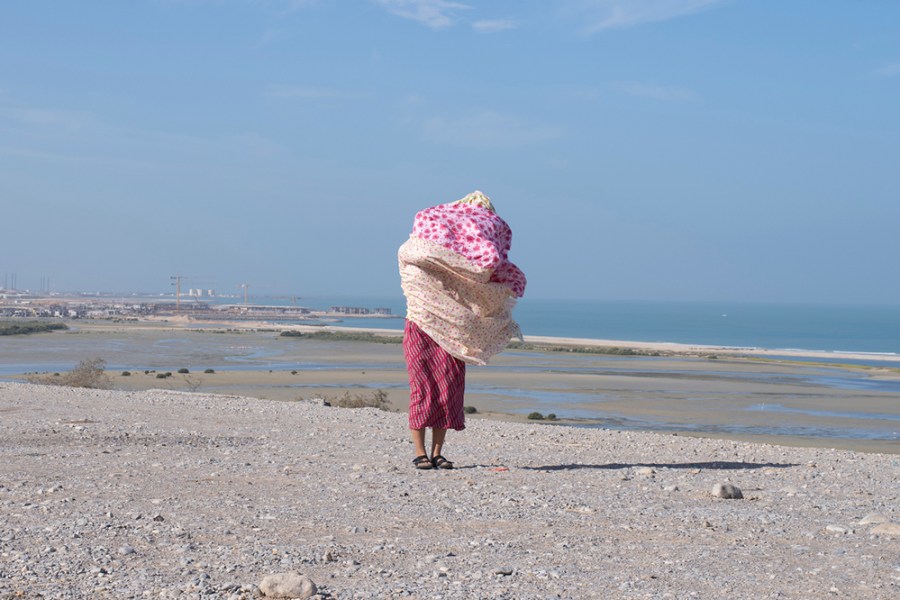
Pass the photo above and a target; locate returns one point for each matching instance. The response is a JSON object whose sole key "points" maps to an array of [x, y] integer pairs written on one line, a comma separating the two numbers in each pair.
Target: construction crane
{"points": [[176, 281]]}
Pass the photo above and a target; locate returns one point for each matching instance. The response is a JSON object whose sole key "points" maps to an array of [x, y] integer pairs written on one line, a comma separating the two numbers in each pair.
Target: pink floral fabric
{"points": [[460, 287], [476, 234]]}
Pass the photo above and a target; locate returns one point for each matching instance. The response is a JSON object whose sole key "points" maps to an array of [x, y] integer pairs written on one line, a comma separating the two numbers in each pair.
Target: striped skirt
{"points": [[437, 382]]}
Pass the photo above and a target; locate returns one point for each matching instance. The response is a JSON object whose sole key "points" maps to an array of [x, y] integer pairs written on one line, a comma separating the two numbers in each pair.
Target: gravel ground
{"points": [[161, 494]]}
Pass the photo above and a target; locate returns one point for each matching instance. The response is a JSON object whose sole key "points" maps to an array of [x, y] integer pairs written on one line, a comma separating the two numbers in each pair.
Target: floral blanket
{"points": [[459, 285]]}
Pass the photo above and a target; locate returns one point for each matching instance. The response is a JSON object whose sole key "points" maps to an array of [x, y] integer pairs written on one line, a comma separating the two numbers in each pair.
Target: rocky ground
{"points": [[161, 494]]}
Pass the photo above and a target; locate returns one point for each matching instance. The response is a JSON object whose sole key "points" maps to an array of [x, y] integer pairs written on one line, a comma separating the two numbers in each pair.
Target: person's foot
{"points": [[439, 462], [422, 462]]}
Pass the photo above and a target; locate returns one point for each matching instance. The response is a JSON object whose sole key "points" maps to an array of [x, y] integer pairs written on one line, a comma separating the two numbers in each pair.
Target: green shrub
{"points": [[126, 373], [345, 336], [162, 375], [293, 372], [536, 416], [16, 328], [209, 371], [551, 417], [377, 399], [470, 410], [88, 373], [183, 371]]}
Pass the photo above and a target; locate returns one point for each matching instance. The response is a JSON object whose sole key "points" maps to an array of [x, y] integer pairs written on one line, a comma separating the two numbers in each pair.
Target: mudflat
{"points": [[731, 397]]}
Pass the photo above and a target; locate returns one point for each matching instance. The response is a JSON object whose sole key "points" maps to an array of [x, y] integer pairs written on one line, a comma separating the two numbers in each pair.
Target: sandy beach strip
{"points": [[163, 494]]}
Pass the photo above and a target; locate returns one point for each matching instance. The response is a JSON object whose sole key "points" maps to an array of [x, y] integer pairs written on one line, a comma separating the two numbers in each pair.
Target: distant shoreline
{"points": [[663, 348]]}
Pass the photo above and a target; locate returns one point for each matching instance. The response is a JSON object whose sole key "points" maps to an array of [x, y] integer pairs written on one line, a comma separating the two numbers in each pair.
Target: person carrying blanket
{"points": [[460, 290]]}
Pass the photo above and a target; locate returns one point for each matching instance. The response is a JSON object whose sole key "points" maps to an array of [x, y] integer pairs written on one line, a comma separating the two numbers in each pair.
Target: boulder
{"points": [[288, 585], [727, 491]]}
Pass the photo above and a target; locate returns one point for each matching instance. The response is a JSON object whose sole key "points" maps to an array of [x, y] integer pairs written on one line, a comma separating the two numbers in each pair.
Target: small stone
{"points": [[503, 571], [158, 518], [836, 529], [287, 585], [887, 529], [727, 491], [670, 488], [874, 519], [644, 471], [126, 550]]}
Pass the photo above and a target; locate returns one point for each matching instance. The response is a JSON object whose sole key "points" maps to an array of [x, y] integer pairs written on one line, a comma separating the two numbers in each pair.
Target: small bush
{"points": [[168, 373], [344, 336], [551, 417], [16, 328], [162, 375], [126, 373], [470, 410], [377, 399], [209, 371], [536, 416], [293, 372], [147, 372], [88, 373], [192, 382], [183, 371]]}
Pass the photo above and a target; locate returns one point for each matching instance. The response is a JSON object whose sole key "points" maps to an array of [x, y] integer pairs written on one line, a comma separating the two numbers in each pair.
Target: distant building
{"points": [[359, 310]]}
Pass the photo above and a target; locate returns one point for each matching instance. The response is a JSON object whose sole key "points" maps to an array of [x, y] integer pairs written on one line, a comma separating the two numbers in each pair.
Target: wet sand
{"points": [[737, 398]]}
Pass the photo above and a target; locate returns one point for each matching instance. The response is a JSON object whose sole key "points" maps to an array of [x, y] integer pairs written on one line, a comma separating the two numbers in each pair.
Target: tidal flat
{"points": [[736, 398]]}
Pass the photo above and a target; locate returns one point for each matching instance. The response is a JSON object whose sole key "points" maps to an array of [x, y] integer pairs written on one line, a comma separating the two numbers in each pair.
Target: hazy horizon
{"points": [[722, 150]]}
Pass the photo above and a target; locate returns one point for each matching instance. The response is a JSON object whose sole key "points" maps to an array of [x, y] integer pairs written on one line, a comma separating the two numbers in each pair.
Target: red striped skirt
{"points": [[437, 382]]}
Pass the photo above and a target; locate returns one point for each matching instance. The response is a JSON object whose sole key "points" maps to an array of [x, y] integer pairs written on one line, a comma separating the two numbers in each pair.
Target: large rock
{"points": [[874, 519], [728, 491], [892, 529], [287, 585]]}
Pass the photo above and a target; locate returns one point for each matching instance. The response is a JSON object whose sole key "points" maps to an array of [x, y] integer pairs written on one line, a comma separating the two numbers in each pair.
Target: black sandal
{"points": [[439, 462], [422, 462]]}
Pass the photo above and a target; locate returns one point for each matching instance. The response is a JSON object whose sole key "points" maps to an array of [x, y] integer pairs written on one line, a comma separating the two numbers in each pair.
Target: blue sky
{"points": [[643, 149]]}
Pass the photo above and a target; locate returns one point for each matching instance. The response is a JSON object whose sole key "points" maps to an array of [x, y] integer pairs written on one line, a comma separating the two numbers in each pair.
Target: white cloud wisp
{"points": [[436, 14]]}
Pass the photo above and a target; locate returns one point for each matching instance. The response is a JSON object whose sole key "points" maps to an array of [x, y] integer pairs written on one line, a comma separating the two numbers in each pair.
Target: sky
{"points": [[687, 150]]}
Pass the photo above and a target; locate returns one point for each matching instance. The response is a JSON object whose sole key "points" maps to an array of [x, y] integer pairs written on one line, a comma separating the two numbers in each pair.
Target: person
{"points": [[460, 290]]}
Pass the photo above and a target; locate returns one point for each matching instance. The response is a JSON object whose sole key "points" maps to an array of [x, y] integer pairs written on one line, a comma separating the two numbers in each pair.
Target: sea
{"points": [[864, 329]]}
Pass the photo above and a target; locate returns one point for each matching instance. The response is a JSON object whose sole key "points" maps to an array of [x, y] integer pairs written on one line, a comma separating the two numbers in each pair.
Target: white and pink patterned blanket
{"points": [[459, 285]]}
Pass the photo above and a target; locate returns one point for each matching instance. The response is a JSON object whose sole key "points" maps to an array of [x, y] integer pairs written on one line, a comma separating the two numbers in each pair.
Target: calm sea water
{"points": [[874, 329]]}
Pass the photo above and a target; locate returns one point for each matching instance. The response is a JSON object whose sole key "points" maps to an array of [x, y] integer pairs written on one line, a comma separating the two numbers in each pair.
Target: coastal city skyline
{"points": [[686, 150]]}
